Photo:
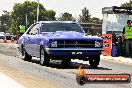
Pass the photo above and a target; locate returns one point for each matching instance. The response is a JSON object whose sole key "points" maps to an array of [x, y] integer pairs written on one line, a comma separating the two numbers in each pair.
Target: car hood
{"points": [[69, 35]]}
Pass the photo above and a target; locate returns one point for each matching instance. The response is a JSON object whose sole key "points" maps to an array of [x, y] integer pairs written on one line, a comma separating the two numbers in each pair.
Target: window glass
{"points": [[33, 30], [53, 27]]}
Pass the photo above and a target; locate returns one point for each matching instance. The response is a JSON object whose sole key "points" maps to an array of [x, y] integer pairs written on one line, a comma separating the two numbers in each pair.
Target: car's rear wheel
{"points": [[25, 55], [44, 59], [94, 61]]}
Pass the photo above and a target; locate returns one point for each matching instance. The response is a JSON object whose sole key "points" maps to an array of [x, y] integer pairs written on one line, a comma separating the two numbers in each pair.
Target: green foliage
{"points": [[10, 21], [50, 15], [66, 17], [127, 4], [96, 20], [5, 21], [30, 8], [85, 16]]}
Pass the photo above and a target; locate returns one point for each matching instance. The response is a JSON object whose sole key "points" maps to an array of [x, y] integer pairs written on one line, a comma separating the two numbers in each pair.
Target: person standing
{"points": [[22, 29], [127, 36], [20, 32]]}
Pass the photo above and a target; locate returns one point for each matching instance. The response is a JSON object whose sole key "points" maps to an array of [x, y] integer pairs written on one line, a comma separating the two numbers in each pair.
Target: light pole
{"points": [[26, 13], [38, 11], [26, 20]]}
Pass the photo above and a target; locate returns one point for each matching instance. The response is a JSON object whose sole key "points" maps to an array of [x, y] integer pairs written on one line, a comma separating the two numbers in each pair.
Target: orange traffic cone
{"points": [[5, 41], [12, 39]]}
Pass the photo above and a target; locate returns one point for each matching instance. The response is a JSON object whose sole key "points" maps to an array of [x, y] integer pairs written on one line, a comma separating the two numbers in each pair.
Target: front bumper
{"points": [[73, 51]]}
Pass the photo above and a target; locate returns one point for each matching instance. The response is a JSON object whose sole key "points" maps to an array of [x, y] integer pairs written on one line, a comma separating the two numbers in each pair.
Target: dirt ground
{"points": [[24, 79], [10, 49]]}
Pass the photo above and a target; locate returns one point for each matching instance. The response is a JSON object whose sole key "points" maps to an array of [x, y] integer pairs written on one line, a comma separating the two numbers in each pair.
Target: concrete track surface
{"points": [[56, 75]]}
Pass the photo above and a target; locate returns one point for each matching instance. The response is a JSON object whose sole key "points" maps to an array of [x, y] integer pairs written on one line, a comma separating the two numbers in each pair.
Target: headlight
{"points": [[98, 43], [54, 44]]}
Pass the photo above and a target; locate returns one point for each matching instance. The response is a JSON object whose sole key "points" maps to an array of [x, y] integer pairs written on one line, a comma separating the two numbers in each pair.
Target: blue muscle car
{"points": [[59, 40]]}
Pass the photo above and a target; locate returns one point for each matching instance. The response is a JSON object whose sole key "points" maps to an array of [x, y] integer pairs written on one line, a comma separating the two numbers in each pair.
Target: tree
{"points": [[127, 4], [5, 21], [30, 9], [50, 15], [85, 16], [96, 20], [66, 17], [10, 21]]}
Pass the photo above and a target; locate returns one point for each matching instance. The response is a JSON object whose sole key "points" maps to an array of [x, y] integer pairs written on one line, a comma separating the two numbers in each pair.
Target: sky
{"points": [[71, 6]]}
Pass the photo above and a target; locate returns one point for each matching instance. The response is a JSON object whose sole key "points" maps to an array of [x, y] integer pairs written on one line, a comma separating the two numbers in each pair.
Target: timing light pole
{"points": [[26, 14], [38, 11]]}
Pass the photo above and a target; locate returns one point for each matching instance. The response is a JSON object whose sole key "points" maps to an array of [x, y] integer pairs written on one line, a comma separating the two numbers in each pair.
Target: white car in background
{"points": [[2, 35]]}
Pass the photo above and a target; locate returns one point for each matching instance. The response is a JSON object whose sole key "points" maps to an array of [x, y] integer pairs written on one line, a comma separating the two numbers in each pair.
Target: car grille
{"points": [[75, 43]]}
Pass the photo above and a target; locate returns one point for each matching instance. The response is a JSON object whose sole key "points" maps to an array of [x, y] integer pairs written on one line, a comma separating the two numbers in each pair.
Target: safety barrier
{"points": [[107, 44], [7, 39]]}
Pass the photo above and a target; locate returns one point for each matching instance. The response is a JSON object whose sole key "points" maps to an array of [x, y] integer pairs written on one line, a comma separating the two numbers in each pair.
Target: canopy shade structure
{"points": [[117, 10], [115, 18]]}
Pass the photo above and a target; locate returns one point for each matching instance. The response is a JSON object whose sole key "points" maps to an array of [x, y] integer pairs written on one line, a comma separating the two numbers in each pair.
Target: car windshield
{"points": [[53, 27]]}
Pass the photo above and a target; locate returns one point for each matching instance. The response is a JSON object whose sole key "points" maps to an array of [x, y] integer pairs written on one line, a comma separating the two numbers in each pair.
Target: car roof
{"points": [[56, 22]]}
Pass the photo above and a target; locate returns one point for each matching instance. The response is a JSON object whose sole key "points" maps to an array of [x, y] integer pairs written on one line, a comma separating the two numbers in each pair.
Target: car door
{"points": [[35, 38], [31, 40]]}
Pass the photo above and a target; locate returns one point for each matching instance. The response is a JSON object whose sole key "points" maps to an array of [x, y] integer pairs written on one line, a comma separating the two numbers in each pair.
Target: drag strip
{"points": [[60, 76]]}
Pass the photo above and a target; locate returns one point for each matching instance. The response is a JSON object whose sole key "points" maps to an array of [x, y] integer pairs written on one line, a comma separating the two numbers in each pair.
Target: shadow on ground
{"points": [[71, 65]]}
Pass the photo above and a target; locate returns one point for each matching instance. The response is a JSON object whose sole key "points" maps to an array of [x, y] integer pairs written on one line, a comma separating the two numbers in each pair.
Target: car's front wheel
{"points": [[25, 55], [44, 59], [94, 61]]}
